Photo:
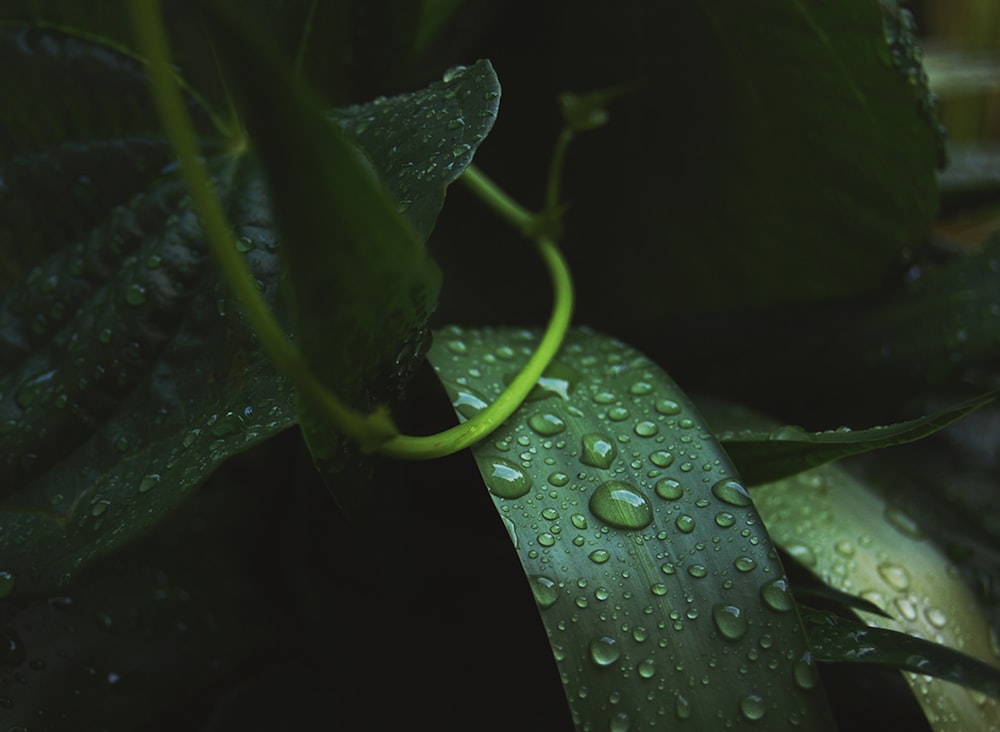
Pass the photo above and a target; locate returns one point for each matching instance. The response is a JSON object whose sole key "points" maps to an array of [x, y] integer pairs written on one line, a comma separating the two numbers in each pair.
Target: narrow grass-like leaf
{"points": [[763, 456], [856, 542], [827, 594], [654, 578], [838, 639]]}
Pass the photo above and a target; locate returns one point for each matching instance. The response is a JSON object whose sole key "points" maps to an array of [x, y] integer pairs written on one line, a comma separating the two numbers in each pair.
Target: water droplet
{"points": [[558, 479], [661, 458], [697, 571], [684, 523], [732, 492], [725, 519], [641, 388], [646, 428], [744, 563], [805, 673], [546, 424], [731, 620], [7, 580], [34, 388], [647, 668], [599, 556], [682, 707], [452, 74], [598, 450], [777, 595], [803, 554], [558, 380], [148, 482], [121, 444], [135, 294], [99, 507], [658, 588], [550, 514], [621, 505], [752, 706], [545, 590], [618, 414], [504, 478], [546, 539], [897, 577], [620, 723], [12, 652], [669, 489], [190, 437], [604, 650], [906, 608], [934, 616]]}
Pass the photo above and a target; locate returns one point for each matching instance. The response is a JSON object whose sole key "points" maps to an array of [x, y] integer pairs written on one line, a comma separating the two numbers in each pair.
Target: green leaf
{"points": [[767, 455], [646, 557], [177, 614], [838, 639], [359, 285], [852, 539], [825, 593], [126, 377], [422, 141]]}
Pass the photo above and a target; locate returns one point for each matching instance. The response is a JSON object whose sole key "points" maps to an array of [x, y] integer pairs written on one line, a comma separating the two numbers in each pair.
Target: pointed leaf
{"points": [[646, 558], [837, 639], [767, 455]]}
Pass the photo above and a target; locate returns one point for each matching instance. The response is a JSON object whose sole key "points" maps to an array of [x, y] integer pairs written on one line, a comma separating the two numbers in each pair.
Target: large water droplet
{"points": [[661, 458], [597, 450], [646, 428], [731, 620], [545, 590], [682, 707], [777, 595], [621, 504], [604, 650], [752, 706], [620, 723], [732, 492], [669, 489], [684, 523], [546, 424], [896, 576], [805, 673], [505, 479], [599, 556]]}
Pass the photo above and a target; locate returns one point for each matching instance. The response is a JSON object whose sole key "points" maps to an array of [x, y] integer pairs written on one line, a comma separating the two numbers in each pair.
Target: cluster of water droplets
{"points": [[604, 469]]}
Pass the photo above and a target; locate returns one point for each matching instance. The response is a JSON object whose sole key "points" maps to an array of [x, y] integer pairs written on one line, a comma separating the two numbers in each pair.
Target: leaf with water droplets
{"points": [[834, 638], [771, 454], [655, 580]]}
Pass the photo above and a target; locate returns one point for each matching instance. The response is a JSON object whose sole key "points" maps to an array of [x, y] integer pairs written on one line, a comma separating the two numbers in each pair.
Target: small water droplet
{"points": [[684, 523], [599, 556], [777, 595], [903, 522], [935, 617], [682, 707], [744, 563], [504, 478], [732, 492], [620, 723], [724, 519], [658, 588], [647, 668], [661, 458], [148, 482], [618, 414], [731, 620], [641, 388], [99, 507], [545, 590], [7, 581], [605, 651], [646, 428], [546, 424], [896, 576], [598, 450], [669, 489], [621, 505], [667, 407], [698, 571], [752, 707], [805, 673], [135, 294], [558, 479]]}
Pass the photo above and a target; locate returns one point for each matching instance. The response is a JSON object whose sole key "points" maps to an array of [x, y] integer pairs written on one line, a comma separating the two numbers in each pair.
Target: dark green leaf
{"points": [[768, 455], [824, 593], [837, 639], [647, 560], [359, 285], [151, 628], [421, 142], [126, 377]]}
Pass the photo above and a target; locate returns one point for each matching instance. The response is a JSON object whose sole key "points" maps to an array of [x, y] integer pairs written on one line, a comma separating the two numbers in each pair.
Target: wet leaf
{"points": [[834, 638], [645, 555], [767, 455]]}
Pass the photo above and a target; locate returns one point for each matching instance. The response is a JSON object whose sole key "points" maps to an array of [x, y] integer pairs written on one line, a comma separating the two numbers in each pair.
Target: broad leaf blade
{"points": [[127, 377], [837, 639], [653, 577], [768, 455]]}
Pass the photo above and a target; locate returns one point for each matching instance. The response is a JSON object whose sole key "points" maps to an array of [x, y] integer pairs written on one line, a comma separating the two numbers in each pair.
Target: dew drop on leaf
{"points": [[684, 523], [505, 479], [731, 620], [646, 428], [546, 424], [682, 707], [732, 492], [620, 723], [805, 673], [777, 595], [744, 563], [661, 458], [545, 590], [895, 576], [598, 450], [599, 556], [135, 294], [752, 707], [604, 651], [621, 505], [669, 489], [7, 581]]}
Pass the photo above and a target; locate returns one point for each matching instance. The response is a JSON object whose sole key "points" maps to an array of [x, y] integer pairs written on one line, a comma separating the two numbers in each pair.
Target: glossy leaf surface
{"points": [[651, 570]]}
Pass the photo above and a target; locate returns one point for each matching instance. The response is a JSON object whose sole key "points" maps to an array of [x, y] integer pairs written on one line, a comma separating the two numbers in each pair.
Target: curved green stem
{"points": [[375, 432]]}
